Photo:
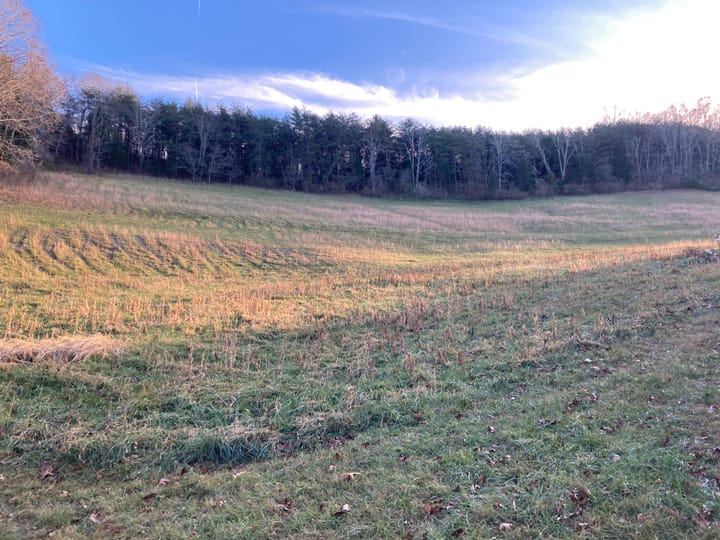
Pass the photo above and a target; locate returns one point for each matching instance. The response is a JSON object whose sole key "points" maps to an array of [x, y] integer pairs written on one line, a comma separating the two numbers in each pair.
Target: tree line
{"points": [[95, 125], [110, 127]]}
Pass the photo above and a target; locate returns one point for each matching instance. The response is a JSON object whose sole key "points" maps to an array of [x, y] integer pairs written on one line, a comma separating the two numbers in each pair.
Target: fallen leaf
{"points": [[349, 476], [492, 429], [162, 482], [580, 496], [505, 527], [616, 458], [47, 473], [344, 510], [285, 506], [432, 508], [671, 511], [570, 407], [534, 483], [704, 517], [564, 517], [458, 532], [238, 474], [95, 518], [149, 497]]}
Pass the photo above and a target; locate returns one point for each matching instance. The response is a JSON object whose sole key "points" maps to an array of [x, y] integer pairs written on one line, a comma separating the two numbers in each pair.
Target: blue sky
{"points": [[511, 65]]}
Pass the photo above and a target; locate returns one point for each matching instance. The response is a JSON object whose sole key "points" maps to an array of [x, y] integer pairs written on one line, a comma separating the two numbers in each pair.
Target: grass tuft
{"points": [[216, 449]]}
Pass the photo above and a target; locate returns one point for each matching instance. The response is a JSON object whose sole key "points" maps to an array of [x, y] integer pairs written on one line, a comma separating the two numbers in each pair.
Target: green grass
{"points": [[440, 368]]}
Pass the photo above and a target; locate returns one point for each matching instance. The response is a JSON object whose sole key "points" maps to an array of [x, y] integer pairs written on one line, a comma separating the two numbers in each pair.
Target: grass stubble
{"points": [[181, 360]]}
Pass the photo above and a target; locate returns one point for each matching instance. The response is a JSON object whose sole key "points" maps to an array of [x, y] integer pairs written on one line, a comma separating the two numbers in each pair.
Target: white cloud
{"points": [[642, 63]]}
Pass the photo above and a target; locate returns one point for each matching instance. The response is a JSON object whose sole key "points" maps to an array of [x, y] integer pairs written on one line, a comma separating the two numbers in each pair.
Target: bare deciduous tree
{"points": [[414, 138], [501, 146], [537, 139], [565, 150], [376, 138], [29, 90]]}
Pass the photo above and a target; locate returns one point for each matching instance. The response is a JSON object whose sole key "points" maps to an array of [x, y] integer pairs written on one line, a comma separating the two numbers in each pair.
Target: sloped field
{"points": [[282, 365]]}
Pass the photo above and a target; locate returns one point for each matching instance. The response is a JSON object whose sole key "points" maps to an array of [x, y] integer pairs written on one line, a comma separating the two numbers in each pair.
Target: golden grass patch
{"points": [[64, 349]]}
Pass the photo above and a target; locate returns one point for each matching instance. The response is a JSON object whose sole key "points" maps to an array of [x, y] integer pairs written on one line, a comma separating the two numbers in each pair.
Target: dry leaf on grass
{"points": [[344, 510], [433, 507], [285, 505], [504, 527], [47, 473], [580, 496]]}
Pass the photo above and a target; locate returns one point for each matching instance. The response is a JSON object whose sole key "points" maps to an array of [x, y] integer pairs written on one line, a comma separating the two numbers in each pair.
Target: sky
{"points": [[508, 65]]}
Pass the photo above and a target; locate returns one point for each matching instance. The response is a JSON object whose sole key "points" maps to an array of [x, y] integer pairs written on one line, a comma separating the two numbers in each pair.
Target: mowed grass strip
{"points": [[512, 383]]}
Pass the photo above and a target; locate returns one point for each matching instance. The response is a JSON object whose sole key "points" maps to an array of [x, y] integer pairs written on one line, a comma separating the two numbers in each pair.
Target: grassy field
{"points": [[182, 360]]}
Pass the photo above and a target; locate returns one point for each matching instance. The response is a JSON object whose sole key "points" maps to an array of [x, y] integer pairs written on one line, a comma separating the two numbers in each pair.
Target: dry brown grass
{"points": [[64, 349]]}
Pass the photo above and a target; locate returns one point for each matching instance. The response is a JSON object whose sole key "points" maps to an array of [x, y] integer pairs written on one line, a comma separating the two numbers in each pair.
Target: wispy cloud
{"points": [[395, 16], [476, 27]]}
